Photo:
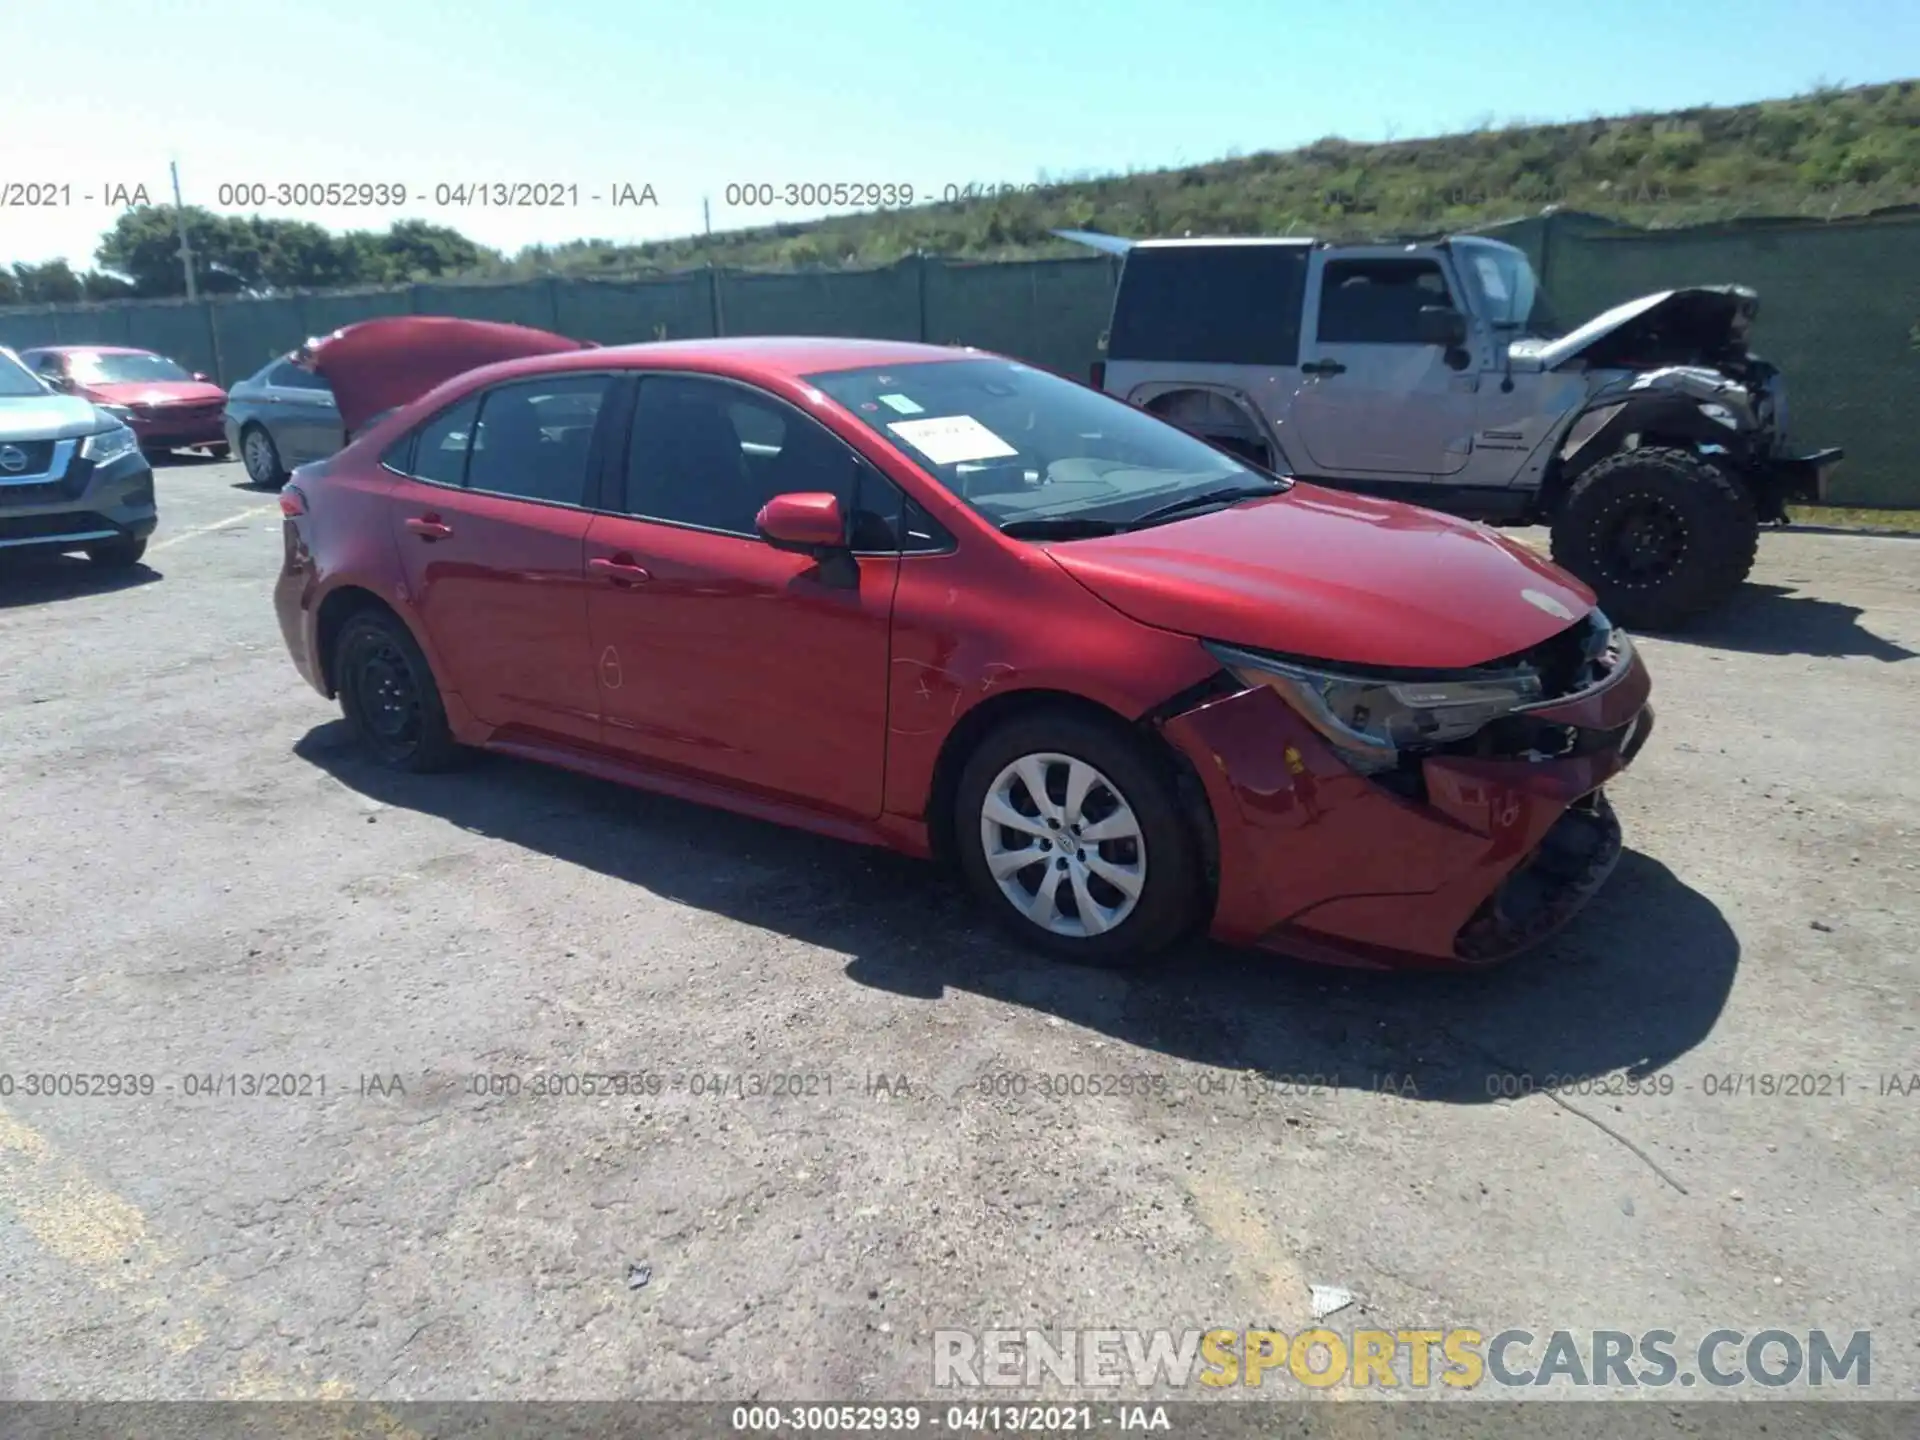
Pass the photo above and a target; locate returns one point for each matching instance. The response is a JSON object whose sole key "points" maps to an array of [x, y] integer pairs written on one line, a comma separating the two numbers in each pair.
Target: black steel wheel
{"points": [[389, 696]]}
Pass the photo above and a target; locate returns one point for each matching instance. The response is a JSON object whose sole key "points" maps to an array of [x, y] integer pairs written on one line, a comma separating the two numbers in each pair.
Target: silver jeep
{"points": [[1649, 438]]}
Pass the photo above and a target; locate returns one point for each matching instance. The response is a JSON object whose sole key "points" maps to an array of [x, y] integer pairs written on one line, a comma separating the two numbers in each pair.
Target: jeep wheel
{"points": [[1660, 535]]}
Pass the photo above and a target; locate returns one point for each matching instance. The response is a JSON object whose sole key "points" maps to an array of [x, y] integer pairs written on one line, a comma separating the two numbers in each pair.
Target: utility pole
{"points": [[180, 224], [706, 213]]}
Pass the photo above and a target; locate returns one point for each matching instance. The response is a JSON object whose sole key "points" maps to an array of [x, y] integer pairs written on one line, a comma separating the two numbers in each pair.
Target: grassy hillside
{"points": [[1836, 151]]}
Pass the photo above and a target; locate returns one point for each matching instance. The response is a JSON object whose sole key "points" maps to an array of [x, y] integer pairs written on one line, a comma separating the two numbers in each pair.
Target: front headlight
{"points": [[1371, 720], [109, 444]]}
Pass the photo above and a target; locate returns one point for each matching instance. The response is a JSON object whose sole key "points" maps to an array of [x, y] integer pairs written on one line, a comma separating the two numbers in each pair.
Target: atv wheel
{"points": [[1660, 535]]}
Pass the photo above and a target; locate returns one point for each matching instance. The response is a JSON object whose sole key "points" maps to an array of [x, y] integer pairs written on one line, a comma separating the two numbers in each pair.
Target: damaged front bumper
{"points": [[1486, 858], [1802, 479]]}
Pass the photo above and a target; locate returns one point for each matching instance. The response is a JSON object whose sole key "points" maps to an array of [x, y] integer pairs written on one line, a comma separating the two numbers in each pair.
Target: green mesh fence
{"points": [[621, 312], [1840, 312]]}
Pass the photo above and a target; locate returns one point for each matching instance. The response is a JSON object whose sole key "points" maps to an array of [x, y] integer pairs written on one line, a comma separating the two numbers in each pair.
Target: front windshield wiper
{"points": [[1060, 527], [1224, 496]]}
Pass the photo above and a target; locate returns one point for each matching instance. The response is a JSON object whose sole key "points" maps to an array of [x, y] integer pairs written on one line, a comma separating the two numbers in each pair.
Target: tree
{"points": [[52, 283], [415, 250], [144, 246]]}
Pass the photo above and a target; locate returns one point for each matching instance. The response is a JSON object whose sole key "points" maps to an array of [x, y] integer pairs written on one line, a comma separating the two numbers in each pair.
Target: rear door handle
{"points": [[621, 572], [1323, 367], [429, 529]]}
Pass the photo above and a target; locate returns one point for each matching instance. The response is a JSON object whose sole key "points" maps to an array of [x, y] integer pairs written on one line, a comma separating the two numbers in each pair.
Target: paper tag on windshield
{"points": [[952, 439], [902, 405]]}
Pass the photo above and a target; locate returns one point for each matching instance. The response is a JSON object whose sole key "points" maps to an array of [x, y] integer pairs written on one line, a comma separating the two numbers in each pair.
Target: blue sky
{"points": [[691, 97]]}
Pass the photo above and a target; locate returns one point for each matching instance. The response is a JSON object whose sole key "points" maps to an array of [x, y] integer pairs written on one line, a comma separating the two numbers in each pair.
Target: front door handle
{"points": [[428, 528], [1323, 367], [621, 572]]}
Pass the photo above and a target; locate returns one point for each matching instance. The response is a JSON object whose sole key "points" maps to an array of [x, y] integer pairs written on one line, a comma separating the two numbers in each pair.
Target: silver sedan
{"points": [[279, 418]]}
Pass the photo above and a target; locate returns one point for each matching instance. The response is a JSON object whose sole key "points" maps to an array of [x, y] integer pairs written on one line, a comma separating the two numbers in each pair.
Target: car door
{"points": [[299, 410], [490, 518], [1376, 401], [719, 655]]}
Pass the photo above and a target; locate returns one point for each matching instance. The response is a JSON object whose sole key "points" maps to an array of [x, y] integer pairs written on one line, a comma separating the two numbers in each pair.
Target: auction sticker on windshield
{"points": [[902, 405], [952, 439]]}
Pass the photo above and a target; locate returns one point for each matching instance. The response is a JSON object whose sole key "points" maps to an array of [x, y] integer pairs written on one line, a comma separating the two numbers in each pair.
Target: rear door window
{"points": [[534, 439], [440, 453], [1210, 304], [1377, 302]]}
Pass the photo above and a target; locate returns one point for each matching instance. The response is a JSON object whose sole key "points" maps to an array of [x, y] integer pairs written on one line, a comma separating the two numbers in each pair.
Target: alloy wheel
{"points": [[1064, 846], [257, 451]]}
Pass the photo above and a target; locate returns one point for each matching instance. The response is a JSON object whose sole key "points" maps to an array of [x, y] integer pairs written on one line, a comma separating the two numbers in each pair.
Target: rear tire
{"points": [[389, 696], [262, 458], [1132, 861], [1661, 535], [117, 554]]}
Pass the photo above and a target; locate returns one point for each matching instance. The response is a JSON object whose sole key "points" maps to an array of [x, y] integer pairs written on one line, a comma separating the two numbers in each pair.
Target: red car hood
{"points": [[379, 365], [1344, 578], [155, 392]]}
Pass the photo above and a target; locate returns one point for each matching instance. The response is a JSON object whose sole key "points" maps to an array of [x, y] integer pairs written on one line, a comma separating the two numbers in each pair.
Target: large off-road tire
{"points": [[1660, 535], [389, 696], [1114, 871]]}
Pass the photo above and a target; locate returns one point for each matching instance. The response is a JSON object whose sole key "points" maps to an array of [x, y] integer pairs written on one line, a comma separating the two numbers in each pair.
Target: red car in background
{"points": [[166, 406], [941, 601]]}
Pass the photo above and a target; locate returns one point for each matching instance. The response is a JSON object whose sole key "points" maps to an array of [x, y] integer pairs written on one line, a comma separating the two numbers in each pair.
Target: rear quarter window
{"points": [[1210, 304]]}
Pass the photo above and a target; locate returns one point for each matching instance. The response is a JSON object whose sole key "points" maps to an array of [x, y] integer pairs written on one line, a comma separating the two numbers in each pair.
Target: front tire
{"points": [[389, 696], [1071, 834], [1661, 535], [117, 554], [262, 458]]}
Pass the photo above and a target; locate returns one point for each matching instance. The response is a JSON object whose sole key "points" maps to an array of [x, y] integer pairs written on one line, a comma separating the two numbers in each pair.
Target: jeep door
{"points": [[1374, 401]]}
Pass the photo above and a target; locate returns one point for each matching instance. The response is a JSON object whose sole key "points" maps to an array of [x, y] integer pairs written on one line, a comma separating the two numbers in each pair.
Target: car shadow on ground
{"points": [[1778, 620], [1636, 981], [37, 580], [183, 459]]}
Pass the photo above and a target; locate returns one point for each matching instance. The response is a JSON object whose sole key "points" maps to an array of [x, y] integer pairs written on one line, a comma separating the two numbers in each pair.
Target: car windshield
{"points": [[1021, 445], [16, 380], [94, 368], [1509, 293]]}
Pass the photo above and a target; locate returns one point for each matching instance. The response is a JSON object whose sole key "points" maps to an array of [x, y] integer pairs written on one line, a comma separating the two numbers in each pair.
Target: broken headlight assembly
{"points": [[1375, 719]]}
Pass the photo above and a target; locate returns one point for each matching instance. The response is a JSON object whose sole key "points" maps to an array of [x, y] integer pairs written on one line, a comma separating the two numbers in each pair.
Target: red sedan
{"points": [[166, 406], [944, 602]]}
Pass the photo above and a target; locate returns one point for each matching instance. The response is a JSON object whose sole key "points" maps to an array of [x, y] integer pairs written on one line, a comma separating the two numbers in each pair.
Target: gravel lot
{"points": [[199, 880]]}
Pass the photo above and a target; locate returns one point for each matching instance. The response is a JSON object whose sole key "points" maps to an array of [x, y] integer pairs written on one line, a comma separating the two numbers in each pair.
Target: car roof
{"points": [[744, 356], [91, 350], [1224, 240]]}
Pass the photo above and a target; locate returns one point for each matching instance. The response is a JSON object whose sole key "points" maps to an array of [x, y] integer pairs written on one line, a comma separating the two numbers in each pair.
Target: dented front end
{"points": [[1416, 838]]}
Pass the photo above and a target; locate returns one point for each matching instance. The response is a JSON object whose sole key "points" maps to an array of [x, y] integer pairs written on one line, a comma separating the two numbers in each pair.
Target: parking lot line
{"points": [[109, 1241], [217, 525]]}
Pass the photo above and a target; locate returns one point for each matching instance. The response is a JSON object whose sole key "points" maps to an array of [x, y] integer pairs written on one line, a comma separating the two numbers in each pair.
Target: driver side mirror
{"points": [[810, 524], [199, 376], [1442, 325], [58, 381]]}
